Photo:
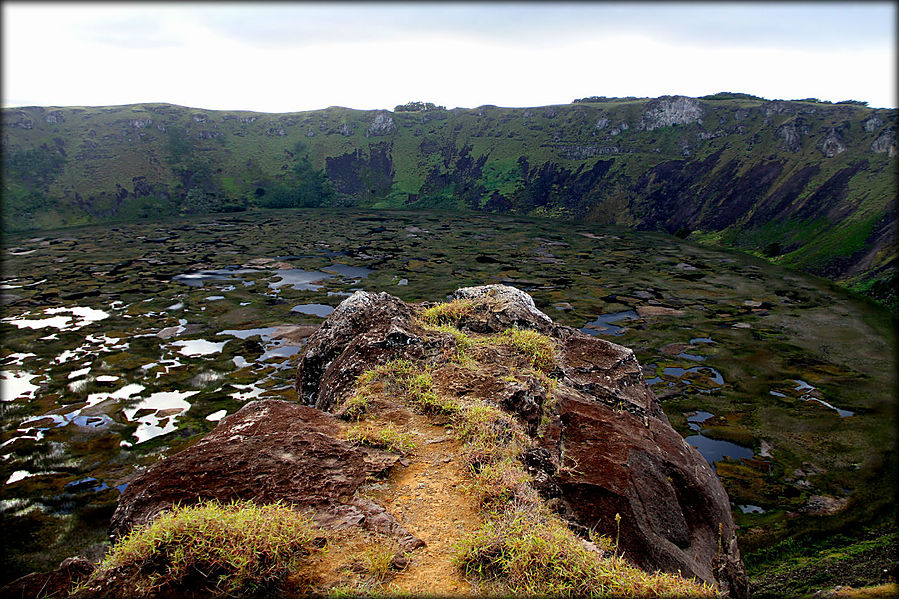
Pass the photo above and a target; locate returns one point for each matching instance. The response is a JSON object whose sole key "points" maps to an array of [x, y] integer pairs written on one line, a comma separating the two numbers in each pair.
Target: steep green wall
{"points": [[807, 184]]}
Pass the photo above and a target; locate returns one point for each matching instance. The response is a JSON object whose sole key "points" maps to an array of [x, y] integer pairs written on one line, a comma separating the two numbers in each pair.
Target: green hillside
{"points": [[805, 183]]}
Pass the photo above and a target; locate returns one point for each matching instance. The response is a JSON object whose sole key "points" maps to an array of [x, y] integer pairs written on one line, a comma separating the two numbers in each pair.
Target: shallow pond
{"points": [[715, 450], [604, 323], [117, 351]]}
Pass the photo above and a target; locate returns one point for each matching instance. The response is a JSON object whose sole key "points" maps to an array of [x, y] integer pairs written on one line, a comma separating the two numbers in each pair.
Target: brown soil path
{"points": [[429, 499]]}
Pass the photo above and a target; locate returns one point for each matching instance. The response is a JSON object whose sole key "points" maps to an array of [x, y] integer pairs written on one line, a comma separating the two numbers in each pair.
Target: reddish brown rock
{"points": [[56, 583], [267, 451], [608, 448]]}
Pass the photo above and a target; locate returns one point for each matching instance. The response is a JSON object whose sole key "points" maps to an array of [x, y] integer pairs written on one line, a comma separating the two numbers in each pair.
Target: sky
{"points": [[285, 57]]}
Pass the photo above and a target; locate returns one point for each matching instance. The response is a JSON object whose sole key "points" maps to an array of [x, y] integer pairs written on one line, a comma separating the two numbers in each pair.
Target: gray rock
{"points": [[789, 135], [885, 143], [671, 110], [873, 123], [383, 124], [833, 144]]}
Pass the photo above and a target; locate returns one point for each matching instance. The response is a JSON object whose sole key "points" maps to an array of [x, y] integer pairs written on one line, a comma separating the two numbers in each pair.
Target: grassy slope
{"points": [[106, 149]]}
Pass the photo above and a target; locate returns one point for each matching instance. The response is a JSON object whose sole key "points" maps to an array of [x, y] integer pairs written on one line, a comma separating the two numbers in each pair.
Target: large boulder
{"points": [[267, 451], [363, 329], [608, 447]]}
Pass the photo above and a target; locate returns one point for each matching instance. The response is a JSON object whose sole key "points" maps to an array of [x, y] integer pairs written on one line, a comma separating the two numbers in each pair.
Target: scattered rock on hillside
{"points": [[671, 110], [885, 143], [833, 144], [873, 123], [789, 135], [383, 124]]}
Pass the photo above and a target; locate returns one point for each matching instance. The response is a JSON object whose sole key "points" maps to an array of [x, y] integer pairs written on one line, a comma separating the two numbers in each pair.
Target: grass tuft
{"points": [[526, 552], [422, 395], [464, 343], [536, 347], [488, 434], [355, 407], [385, 437], [448, 313], [234, 549]]}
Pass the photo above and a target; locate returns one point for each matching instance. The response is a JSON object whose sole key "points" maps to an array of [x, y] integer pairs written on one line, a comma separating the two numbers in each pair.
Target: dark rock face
{"points": [[363, 328], [608, 448], [267, 451], [55, 583]]}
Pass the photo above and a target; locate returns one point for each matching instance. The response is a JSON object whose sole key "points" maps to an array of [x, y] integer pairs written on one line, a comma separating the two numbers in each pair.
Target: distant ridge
{"points": [[806, 183]]}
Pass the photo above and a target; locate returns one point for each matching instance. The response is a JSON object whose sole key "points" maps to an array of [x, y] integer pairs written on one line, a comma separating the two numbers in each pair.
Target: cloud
{"points": [[282, 57]]}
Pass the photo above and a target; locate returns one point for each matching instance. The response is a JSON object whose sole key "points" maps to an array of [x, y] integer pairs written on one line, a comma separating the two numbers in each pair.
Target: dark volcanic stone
{"points": [[267, 451], [608, 449], [364, 330], [56, 583]]}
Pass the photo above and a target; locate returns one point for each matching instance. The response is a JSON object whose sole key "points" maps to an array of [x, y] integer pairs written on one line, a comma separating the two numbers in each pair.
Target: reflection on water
{"points": [[321, 310], [708, 371], [694, 420], [199, 347], [84, 316], [715, 450], [277, 350], [16, 384], [165, 407], [750, 509], [348, 272], [124, 393], [806, 389], [264, 332], [216, 416], [303, 280], [603, 323], [196, 279]]}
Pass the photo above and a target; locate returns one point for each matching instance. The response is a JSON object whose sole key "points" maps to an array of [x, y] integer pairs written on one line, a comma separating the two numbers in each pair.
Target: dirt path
{"points": [[428, 498]]}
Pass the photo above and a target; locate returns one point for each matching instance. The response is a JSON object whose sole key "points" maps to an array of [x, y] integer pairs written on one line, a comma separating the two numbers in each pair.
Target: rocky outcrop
{"points": [[383, 124], [608, 448], [789, 135], [885, 143], [833, 144], [268, 451], [600, 444], [499, 307], [873, 124], [671, 110], [363, 329]]}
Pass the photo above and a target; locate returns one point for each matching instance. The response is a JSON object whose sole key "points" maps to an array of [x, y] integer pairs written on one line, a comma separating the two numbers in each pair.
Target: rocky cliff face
{"points": [[665, 163]]}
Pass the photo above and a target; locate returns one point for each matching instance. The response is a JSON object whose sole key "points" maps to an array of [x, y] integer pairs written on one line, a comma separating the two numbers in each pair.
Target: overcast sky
{"points": [[283, 57]]}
